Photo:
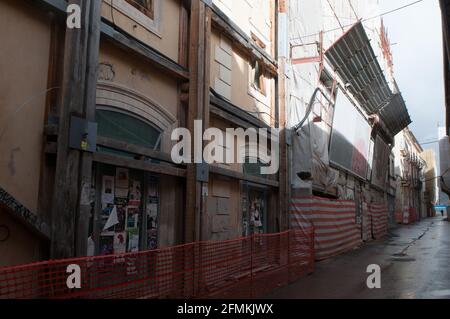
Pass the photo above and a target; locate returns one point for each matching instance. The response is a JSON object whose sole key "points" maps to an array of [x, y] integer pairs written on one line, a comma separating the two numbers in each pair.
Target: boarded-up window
{"points": [[145, 6], [257, 77]]}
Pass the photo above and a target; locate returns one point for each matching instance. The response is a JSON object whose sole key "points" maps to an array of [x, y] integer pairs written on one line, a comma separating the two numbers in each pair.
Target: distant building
{"points": [[431, 181], [410, 190]]}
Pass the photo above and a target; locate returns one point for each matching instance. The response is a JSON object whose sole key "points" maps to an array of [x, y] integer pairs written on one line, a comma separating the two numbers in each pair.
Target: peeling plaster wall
{"points": [[24, 63], [21, 247]]}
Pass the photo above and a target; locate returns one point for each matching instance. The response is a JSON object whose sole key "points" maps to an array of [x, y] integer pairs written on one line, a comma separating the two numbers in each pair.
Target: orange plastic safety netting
{"points": [[248, 267]]}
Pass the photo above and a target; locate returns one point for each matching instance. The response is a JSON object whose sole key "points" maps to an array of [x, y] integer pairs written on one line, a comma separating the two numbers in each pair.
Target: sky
{"points": [[416, 33]]}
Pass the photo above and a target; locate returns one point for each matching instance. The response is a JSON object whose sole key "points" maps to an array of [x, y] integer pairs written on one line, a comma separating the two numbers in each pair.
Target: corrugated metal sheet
{"points": [[355, 62], [395, 114]]}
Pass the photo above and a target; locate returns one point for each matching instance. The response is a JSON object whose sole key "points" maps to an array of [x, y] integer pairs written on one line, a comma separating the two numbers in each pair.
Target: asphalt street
{"points": [[414, 261]]}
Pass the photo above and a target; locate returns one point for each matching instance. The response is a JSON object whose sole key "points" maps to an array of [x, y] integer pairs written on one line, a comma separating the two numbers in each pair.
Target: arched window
{"points": [[127, 128]]}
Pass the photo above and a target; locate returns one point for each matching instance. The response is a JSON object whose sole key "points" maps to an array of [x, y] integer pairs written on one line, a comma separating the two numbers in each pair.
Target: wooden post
{"points": [[198, 109], [79, 69], [93, 48], [284, 171], [206, 115], [199, 34]]}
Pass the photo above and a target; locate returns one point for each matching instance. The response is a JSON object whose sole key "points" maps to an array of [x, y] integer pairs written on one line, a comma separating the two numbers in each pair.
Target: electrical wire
{"points": [[335, 15], [353, 9], [19, 108], [429, 142], [362, 20], [297, 127]]}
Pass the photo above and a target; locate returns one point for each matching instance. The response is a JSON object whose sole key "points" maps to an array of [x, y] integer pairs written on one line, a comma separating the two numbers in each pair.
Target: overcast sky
{"points": [[417, 34]]}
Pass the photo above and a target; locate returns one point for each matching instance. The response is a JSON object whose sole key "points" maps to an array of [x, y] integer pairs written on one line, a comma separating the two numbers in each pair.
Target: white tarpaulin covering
{"points": [[310, 154], [310, 144], [350, 140], [353, 58], [380, 163]]}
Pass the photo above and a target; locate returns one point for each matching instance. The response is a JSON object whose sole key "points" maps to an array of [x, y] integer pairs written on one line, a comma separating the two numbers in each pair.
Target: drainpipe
{"points": [[309, 109]]}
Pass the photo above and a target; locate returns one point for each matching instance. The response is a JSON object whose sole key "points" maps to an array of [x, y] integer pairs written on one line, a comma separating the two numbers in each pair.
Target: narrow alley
{"points": [[224, 150], [414, 263]]}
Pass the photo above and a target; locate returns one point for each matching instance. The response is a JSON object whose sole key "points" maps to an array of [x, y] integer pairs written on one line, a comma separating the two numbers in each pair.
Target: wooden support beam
{"points": [[124, 40], [134, 46], [195, 101], [58, 6], [233, 113], [183, 38], [78, 95], [89, 107], [284, 189], [198, 109], [54, 80], [130, 148], [206, 113], [243, 177], [281, 95], [164, 169], [234, 120]]}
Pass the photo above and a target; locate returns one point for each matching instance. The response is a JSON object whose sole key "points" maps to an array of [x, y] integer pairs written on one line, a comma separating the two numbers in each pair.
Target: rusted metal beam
{"points": [[307, 60]]}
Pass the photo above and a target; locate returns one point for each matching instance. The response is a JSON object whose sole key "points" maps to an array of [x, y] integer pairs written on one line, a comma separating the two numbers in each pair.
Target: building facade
{"points": [[410, 178], [343, 106], [243, 74], [93, 174], [431, 196]]}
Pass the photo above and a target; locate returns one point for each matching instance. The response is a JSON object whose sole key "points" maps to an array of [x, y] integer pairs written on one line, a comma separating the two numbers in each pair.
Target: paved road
{"points": [[414, 261]]}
